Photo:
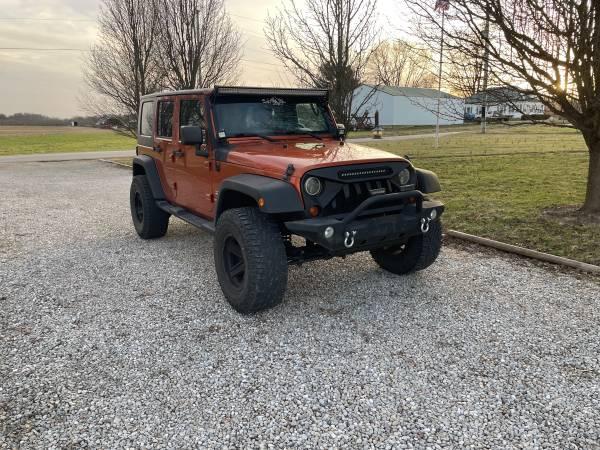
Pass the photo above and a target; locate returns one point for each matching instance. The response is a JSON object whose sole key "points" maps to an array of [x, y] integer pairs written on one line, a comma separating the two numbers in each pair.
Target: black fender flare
{"points": [[279, 196], [427, 181], [147, 164]]}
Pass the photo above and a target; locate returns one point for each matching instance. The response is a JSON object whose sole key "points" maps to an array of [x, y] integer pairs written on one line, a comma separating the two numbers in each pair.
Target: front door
{"points": [[196, 188], [188, 175]]}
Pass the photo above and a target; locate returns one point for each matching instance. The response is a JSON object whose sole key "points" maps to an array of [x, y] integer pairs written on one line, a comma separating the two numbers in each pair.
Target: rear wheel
{"points": [[418, 253], [148, 219], [250, 260]]}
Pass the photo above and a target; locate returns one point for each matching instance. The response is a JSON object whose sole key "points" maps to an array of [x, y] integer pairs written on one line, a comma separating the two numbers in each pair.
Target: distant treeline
{"points": [[39, 119]]}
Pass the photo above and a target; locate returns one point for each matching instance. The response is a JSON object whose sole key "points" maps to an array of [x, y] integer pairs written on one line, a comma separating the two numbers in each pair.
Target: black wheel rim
{"points": [[138, 207], [233, 259]]}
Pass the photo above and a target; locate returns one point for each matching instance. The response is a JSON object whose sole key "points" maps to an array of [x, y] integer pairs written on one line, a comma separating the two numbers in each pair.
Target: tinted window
{"points": [[165, 119], [147, 119], [191, 113]]}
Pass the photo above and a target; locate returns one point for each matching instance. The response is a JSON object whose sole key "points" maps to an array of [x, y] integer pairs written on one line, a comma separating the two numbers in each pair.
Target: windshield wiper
{"points": [[308, 133], [262, 136]]}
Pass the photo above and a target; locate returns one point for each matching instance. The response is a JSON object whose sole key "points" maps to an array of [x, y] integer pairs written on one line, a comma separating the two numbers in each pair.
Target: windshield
{"points": [[271, 116]]}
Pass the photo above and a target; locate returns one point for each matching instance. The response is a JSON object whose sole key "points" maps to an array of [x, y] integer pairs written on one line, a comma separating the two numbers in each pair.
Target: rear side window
{"points": [[165, 119], [191, 113], [147, 119]]}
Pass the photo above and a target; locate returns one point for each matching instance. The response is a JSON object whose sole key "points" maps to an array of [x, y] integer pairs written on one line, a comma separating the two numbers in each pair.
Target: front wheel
{"points": [[250, 260], [418, 253]]}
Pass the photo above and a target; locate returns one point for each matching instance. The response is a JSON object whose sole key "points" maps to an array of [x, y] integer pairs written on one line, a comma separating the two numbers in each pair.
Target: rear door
{"points": [[168, 147], [195, 183]]}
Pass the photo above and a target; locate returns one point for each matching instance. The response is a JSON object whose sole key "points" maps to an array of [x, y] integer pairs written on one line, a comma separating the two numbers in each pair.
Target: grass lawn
{"points": [[502, 195], [403, 130], [26, 140]]}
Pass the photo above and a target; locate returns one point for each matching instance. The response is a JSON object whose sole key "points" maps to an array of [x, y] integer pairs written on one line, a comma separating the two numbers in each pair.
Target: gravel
{"points": [[109, 341]]}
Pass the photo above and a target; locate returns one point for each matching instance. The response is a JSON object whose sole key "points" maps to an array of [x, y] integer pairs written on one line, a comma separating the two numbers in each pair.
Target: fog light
{"points": [[433, 214], [328, 233]]}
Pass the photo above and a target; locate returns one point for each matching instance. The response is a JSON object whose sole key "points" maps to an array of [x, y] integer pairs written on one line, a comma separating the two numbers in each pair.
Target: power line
{"points": [[253, 61], [246, 17], [35, 19], [36, 49]]}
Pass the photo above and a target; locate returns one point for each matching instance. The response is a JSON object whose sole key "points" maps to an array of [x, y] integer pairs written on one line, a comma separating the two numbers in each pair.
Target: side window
{"points": [[165, 119], [147, 119], [191, 112]]}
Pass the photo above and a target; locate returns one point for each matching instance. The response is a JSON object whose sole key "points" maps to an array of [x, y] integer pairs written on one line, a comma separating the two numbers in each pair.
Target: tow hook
{"points": [[425, 224], [349, 238]]}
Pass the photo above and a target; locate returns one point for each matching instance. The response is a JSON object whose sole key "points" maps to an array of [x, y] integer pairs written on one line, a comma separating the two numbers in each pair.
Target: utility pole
{"points": [[486, 73], [437, 116], [440, 6]]}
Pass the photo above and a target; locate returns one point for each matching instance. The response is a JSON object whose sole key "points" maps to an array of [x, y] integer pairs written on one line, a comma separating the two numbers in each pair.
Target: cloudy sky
{"points": [[49, 82]]}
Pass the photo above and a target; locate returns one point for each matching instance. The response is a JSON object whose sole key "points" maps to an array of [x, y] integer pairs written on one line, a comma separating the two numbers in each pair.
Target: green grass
{"points": [[28, 140], [502, 195], [403, 130]]}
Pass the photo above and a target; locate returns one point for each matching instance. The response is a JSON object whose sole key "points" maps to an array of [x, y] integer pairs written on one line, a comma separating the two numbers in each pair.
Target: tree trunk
{"points": [[592, 196]]}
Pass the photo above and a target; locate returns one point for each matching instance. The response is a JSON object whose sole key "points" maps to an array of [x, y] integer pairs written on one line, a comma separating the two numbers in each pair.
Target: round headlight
{"points": [[404, 176], [313, 186]]}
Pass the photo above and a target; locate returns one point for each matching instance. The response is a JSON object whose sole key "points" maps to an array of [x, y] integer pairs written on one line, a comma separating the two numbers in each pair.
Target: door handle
{"points": [[157, 148]]}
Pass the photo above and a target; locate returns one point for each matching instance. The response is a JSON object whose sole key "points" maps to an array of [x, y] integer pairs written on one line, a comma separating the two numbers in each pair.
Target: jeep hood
{"points": [[275, 157]]}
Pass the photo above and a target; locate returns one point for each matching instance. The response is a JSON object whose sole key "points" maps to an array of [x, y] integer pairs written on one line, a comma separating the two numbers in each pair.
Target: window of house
{"points": [[147, 119], [165, 119], [191, 112]]}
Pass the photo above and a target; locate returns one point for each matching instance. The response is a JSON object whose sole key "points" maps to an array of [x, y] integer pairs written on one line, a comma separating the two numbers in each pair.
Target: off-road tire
{"points": [[417, 254], [264, 279], [148, 219]]}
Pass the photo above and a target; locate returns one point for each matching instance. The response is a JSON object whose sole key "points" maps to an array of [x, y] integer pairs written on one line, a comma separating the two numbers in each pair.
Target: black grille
{"points": [[371, 172], [353, 194]]}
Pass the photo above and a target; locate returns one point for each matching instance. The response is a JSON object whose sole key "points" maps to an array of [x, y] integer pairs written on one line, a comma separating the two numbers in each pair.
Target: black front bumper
{"points": [[379, 221]]}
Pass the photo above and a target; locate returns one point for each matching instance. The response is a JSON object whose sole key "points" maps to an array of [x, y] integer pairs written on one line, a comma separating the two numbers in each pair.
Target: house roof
{"points": [[498, 95], [398, 91]]}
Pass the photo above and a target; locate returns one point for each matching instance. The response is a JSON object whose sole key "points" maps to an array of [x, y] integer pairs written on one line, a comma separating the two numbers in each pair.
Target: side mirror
{"points": [[341, 131], [191, 135]]}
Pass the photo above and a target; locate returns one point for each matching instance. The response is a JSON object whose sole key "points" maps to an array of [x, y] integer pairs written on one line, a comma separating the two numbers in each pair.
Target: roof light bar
{"points": [[232, 90]]}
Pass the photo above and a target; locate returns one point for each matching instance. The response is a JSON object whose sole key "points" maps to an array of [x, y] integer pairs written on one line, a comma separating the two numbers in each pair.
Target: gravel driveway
{"points": [[109, 341]]}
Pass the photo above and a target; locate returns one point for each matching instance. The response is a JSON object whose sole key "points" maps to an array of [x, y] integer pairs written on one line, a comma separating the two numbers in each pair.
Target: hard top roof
{"points": [[243, 90]]}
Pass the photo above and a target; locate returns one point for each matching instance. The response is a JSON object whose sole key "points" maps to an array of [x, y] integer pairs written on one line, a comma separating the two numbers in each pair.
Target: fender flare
{"points": [[279, 196], [427, 181], [148, 166]]}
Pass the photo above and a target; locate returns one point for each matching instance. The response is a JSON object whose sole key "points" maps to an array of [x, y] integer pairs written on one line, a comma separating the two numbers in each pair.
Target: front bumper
{"points": [[379, 221]]}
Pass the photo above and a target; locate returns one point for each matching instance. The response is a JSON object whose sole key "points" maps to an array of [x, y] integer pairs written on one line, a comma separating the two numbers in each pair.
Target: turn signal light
{"points": [[314, 211], [412, 200], [261, 202]]}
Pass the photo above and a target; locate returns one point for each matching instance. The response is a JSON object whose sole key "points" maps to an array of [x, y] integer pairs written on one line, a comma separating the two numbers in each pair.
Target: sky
{"points": [[50, 82]]}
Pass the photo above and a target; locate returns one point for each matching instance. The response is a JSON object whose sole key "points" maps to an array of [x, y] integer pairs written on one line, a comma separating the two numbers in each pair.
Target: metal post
{"points": [[486, 70], [197, 15], [437, 118]]}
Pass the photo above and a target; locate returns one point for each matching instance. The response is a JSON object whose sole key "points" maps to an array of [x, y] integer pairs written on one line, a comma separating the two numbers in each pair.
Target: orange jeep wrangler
{"points": [[267, 170]]}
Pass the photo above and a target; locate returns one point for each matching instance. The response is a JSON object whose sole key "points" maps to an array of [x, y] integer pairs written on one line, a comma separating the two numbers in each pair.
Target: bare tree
{"points": [[401, 63], [548, 49], [463, 73], [121, 67], [199, 45], [327, 44]]}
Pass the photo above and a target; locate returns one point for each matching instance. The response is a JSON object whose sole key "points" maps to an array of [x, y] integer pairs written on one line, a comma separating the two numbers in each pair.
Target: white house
{"points": [[407, 106], [503, 102]]}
